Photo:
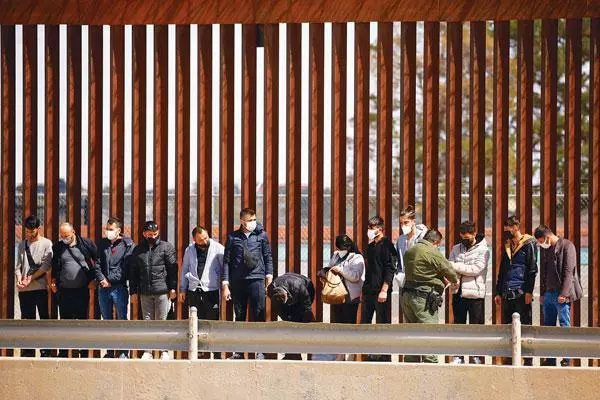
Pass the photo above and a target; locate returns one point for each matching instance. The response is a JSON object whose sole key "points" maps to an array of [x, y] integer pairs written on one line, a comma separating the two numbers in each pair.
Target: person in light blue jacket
{"points": [[201, 273], [410, 234]]}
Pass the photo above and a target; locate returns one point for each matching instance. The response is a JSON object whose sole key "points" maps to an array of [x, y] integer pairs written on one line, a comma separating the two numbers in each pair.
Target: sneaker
{"points": [[236, 356], [165, 356], [147, 356], [260, 356], [123, 356], [477, 360], [564, 362], [457, 360]]}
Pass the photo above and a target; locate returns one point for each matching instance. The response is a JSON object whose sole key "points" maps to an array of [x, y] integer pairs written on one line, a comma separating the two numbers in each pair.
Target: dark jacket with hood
{"points": [[247, 257], [85, 246], [301, 294], [112, 260], [518, 267], [153, 269]]}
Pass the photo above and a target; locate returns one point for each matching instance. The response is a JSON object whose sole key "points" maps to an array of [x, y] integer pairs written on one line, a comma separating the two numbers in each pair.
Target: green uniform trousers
{"points": [[413, 307]]}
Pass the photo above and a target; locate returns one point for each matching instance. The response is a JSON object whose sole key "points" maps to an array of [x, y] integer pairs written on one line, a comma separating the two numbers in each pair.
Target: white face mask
{"points": [[545, 245], [371, 233], [250, 225], [342, 253], [67, 240], [406, 229], [112, 235]]}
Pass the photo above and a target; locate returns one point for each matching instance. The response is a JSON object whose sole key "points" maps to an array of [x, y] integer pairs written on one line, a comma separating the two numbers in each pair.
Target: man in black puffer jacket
{"points": [[153, 275], [248, 268], [292, 296]]}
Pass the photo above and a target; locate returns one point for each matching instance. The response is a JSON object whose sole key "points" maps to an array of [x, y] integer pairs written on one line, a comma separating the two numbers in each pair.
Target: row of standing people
{"points": [[242, 272]]}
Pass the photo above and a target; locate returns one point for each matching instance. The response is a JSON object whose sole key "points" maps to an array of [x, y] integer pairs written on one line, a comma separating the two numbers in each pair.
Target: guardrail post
{"points": [[516, 340], [193, 333]]}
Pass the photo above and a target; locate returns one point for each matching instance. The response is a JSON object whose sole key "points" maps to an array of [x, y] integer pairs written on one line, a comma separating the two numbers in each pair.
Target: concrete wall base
{"points": [[205, 379]]}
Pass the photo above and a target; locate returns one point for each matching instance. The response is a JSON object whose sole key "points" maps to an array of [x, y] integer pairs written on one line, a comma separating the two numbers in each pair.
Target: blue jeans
{"points": [[116, 295], [553, 310]]}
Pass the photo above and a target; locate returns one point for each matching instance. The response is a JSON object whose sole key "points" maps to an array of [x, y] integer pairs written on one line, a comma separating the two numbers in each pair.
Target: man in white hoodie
{"points": [[469, 258], [201, 275]]}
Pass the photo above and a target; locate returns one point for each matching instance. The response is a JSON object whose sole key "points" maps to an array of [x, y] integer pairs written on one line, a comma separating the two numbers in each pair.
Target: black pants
{"points": [[207, 304], [73, 304], [252, 290], [298, 313], [346, 313], [383, 316], [474, 308], [517, 306], [30, 302]]}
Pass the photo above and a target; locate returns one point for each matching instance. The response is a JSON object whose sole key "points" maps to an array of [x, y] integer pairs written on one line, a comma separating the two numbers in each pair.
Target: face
{"points": [[150, 234], [112, 231], [543, 241], [377, 230], [66, 233], [248, 221], [201, 239], [467, 237], [31, 234], [406, 222], [510, 232]]}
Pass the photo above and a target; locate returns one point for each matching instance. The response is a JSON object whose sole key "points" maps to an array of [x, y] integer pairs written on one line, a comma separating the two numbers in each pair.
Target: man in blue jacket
{"points": [[110, 270], [247, 269]]}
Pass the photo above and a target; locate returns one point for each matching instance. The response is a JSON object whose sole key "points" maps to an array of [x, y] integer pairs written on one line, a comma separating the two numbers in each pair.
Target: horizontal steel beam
{"points": [[121, 12], [316, 338]]}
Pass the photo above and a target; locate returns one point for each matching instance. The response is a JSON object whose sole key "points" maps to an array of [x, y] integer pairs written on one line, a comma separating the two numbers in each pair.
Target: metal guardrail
{"points": [[316, 338]]}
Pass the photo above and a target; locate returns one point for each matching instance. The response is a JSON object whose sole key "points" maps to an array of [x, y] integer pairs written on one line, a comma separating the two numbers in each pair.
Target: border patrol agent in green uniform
{"points": [[425, 269]]}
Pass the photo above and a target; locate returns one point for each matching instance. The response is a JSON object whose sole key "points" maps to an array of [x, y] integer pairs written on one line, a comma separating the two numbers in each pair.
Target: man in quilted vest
{"points": [[469, 258]]}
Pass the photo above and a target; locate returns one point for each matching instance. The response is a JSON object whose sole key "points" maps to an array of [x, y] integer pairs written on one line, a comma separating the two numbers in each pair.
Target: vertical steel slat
{"points": [[573, 149], [408, 85], [294, 148], [249, 116], [549, 118], [117, 130], [316, 153], [361, 134], [95, 133], [7, 229], [227, 142], [594, 180], [74, 126], [182, 145], [525, 122], [549, 140], [477, 124], [271, 149], [161, 128], [51, 179], [454, 77], [138, 162], [204, 180], [431, 132], [30, 128], [385, 52], [338, 132], [500, 153]]}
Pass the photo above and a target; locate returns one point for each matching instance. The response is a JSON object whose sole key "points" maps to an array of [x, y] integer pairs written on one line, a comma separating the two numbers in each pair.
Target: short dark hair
{"points": [[247, 211], [199, 229], [466, 227], [276, 292], [512, 220], [343, 242], [542, 231], [433, 235], [114, 221], [408, 212], [376, 222], [32, 222]]}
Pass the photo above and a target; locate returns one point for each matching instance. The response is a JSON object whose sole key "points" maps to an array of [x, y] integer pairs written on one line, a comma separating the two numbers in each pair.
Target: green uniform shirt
{"points": [[426, 267]]}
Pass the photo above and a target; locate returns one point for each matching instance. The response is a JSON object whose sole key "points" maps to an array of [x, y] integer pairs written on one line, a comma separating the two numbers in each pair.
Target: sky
{"points": [[193, 101]]}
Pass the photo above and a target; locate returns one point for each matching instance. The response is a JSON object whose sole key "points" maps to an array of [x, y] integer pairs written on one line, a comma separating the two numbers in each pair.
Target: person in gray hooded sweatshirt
{"points": [[410, 234]]}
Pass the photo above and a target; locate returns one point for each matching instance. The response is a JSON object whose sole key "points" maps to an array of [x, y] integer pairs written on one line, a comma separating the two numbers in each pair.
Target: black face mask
{"points": [[151, 241], [508, 235], [468, 243]]}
